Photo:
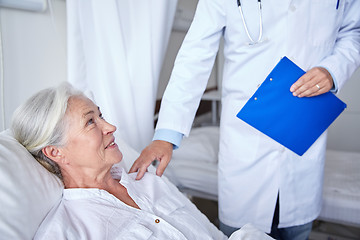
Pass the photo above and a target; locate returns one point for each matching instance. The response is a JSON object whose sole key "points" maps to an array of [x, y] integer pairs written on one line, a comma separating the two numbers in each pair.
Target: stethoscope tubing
{"points": [[245, 25]]}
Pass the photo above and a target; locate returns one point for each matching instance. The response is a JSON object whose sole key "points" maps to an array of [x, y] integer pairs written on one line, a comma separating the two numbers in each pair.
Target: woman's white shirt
{"points": [[96, 214]]}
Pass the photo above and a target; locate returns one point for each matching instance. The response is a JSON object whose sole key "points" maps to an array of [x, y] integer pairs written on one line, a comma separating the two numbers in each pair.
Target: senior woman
{"points": [[66, 132]]}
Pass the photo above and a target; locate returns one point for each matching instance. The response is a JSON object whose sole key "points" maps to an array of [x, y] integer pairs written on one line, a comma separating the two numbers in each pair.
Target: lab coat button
{"points": [[157, 220]]}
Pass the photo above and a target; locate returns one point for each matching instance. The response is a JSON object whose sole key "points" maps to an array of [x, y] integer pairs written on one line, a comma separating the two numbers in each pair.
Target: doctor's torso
{"points": [[301, 30], [252, 166]]}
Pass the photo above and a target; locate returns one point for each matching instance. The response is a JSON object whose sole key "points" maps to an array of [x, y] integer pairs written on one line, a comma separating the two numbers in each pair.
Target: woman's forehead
{"points": [[81, 106]]}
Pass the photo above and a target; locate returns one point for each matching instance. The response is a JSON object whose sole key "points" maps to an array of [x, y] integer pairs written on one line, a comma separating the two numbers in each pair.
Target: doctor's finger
{"points": [[323, 86], [141, 172], [321, 89], [312, 91], [303, 84], [300, 82], [162, 165], [140, 165], [305, 87]]}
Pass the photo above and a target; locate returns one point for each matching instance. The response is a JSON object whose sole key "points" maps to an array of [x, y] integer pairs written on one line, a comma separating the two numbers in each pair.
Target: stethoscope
{"points": [[245, 25]]}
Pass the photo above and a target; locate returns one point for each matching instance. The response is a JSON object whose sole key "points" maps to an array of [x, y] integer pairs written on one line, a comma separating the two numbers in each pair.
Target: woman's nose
{"points": [[108, 128]]}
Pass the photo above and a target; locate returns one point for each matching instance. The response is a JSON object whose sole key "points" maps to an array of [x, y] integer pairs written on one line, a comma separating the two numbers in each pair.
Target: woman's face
{"points": [[89, 139]]}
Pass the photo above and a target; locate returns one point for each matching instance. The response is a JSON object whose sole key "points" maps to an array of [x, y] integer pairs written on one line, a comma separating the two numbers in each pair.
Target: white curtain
{"points": [[115, 50]]}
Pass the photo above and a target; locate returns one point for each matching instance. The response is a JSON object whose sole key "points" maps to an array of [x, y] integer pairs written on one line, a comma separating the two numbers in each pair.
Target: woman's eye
{"points": [[91, 121], [101, 116]]}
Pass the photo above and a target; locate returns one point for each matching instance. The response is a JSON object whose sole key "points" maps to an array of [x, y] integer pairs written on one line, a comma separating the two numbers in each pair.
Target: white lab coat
{"points": [[252, 167]]}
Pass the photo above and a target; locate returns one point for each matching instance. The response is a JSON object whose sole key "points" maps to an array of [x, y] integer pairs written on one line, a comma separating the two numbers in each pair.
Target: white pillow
{"points": [[27, 190]]}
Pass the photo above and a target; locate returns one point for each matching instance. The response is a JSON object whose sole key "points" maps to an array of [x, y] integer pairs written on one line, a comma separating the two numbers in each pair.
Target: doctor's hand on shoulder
{"points": [[157, 150], [314, 82]]}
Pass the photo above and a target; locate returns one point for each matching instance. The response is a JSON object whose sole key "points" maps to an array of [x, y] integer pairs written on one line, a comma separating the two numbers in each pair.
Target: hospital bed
{"points": [[194, 170], [28, 191]]}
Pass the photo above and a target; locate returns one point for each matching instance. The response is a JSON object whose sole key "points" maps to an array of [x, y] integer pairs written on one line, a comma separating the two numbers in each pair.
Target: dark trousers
{"points": [[300, 232]]}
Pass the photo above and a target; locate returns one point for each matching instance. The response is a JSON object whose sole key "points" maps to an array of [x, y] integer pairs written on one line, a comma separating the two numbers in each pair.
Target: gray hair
{"points": [[39, 122]]}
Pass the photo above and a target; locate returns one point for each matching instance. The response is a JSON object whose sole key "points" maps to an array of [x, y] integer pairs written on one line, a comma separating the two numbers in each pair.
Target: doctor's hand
{"points": [[314, 82], [157, 150]]}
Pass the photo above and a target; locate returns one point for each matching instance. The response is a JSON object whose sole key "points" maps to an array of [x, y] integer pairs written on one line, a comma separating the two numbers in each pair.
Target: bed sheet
{"points": [[341, 192], [193, 170]]}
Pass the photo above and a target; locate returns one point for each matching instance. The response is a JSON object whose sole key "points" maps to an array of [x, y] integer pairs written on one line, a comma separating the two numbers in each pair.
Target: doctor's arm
{"points": [[159, 149], [187, 83], [336, 68]]}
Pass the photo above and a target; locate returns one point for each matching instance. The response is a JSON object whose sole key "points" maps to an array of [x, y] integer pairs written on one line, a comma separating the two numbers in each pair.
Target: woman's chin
{"points": [[119, 157]]}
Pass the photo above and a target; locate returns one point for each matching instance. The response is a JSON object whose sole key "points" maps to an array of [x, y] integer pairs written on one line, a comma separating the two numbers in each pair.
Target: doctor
{"points": [[256, 174]]}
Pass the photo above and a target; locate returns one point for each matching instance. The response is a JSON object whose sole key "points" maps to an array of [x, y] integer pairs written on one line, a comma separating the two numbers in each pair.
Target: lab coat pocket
{"points": [[325, 18]]}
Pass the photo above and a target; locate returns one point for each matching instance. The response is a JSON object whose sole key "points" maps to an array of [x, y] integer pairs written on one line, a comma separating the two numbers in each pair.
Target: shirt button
{"points": [[157, 220]]}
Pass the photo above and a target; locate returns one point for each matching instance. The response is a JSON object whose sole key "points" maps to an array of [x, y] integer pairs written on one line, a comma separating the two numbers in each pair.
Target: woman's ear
{"points": [[53, 153]]}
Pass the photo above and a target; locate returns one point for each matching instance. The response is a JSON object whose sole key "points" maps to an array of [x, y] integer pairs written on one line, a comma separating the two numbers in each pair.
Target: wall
{"points": [[184, 15], [34, 53], [344, 133]]}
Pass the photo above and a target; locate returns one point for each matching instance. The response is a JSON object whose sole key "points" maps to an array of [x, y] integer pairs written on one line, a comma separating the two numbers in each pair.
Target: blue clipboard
{"points": [[294, 122]]}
